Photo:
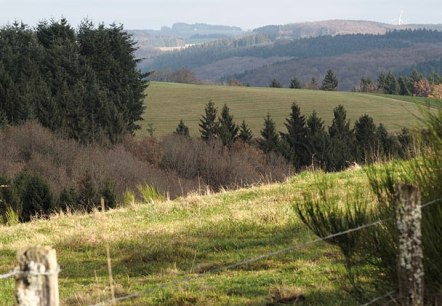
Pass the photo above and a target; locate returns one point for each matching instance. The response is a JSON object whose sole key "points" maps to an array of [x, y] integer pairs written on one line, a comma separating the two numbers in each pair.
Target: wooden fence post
{"points": [[103, 207], [410, 259], [37, 278]]}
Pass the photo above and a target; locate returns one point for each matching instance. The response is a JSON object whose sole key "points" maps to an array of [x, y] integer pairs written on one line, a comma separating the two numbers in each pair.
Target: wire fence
{"points": [[261, 257], [243, 262]]}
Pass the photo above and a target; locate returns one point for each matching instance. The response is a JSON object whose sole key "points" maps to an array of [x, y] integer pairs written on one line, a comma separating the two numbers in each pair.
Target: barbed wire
{"points": [[257, 258], [17, 272], [379, 298]]}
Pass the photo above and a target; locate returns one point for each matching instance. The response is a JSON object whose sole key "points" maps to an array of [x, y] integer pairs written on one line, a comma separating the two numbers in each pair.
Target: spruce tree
{"points": [[208, 125], [275, 84], [365, 135], [269, 141], [295, 83], [245, 133], [317, 138], [296, 148], [341, 149], [228, 130], [330, 82], [182, 129], [385, 143]]}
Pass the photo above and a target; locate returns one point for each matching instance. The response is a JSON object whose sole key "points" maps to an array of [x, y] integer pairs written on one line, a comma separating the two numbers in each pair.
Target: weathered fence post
{"points": [[103, 207], [37, 277], [410, 259]]}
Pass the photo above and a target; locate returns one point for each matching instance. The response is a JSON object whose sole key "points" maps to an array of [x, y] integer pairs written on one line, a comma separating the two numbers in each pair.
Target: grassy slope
{"points": [[167, 103], [155, 244]]}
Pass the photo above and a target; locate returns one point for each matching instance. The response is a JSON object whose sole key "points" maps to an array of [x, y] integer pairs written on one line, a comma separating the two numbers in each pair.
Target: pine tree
{"points": [[330, 82], [208, 125], [385, 143], [341, 150], [275, 84], [269, 141], [365, 135], [245, 133], [228, 130], [317, 138], [295, 83], [182, 129], [295, 140]]}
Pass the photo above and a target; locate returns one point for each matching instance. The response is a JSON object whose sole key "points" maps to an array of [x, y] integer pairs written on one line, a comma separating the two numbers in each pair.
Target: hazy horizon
{"points": [[138, 14]]}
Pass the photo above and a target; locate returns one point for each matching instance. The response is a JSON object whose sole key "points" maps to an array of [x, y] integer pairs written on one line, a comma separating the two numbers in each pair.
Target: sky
{"points": [[247, 14]]}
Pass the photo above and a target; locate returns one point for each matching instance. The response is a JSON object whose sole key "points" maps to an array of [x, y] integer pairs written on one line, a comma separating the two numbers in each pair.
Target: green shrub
{"points": [[150, 194], [35, 198], [69, 200]]}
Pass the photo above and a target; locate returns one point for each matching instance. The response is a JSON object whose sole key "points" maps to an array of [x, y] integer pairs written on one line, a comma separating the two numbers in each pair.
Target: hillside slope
{"points": [[167, 103], [164, 251]]}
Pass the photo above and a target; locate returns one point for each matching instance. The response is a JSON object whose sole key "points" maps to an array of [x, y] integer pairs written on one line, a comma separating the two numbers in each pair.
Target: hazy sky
{"points": [[248, 14]]}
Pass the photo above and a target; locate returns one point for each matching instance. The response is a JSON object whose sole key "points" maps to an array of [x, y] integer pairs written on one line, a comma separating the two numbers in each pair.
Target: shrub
{"points": [[35, 198]]}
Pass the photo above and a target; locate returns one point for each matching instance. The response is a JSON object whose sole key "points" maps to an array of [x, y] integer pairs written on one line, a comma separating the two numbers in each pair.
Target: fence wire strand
{"points": [[17, 272], [258, 258], [378, 298]]}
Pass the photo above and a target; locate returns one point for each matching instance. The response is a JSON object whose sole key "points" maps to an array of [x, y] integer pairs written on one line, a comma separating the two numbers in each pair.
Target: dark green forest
{"points": [[260, 45], [82, 83]]}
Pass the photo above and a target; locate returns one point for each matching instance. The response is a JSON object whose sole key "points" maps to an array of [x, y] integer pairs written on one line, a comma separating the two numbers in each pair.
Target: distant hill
{"points": [[335, 27]]}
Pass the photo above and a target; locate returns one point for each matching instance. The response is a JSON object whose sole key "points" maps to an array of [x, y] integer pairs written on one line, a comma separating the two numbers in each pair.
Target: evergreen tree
{"points": [[182, 129], [341, 150], [228, 130], [385, 143], [330, 82], [275, 84], [295, 83], [388, 83], [296, 148], [245, 133], [404, 86], [269, 141], [317, 138], [208, 125], [365, 135]]}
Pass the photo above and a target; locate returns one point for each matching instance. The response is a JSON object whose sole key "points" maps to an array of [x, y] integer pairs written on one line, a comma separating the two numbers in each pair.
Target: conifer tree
{"points": [[182, 129], [208, 125], [228, 130], [341, 149], [317, 138], [295, 143], [365, 135], [295, 83], [330, 82], [245, 133], [269, 141]]}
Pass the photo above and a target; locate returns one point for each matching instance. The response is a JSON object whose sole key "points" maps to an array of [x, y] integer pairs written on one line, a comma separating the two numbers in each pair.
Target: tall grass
{"points": [[370, 254]]}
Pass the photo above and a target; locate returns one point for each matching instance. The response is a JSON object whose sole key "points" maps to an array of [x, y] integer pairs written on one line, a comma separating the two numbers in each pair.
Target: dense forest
{"points": [[82, 83], [259, 45]]}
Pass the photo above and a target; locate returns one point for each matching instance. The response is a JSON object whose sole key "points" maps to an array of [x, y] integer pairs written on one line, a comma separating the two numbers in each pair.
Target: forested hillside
{"points": [[239, 59]]}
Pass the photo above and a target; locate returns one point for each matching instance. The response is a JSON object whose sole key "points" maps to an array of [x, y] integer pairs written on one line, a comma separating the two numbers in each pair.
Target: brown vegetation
{"points": [[176, 165]]}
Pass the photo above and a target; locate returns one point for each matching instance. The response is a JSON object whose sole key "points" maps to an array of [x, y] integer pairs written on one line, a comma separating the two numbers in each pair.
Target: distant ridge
{"points": [[336, 27]]}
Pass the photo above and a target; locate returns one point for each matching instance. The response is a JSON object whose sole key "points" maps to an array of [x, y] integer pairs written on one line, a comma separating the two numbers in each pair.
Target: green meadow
{"points": [[173, 252], [167, 103]]}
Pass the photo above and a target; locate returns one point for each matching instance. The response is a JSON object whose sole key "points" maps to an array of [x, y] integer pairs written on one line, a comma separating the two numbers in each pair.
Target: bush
{"points": [[35, 198]]}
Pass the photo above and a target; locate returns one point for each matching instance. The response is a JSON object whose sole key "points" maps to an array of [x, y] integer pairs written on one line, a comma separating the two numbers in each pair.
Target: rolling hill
{"points": [[257, 58], [167, 103]]}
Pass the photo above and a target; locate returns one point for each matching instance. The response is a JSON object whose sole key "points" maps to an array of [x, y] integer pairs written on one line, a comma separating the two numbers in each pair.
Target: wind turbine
{"points": [[400, 21]]}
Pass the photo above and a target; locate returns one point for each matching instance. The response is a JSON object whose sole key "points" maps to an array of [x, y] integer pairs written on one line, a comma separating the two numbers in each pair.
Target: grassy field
{"points": [[166, 250], [167, 103]]}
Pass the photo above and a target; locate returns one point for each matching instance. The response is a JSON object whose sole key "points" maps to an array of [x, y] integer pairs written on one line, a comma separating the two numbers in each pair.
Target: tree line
{"points": [[82, 83], [307, 141]]}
